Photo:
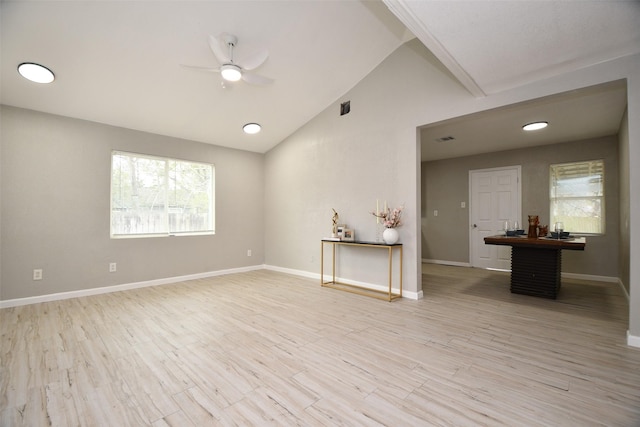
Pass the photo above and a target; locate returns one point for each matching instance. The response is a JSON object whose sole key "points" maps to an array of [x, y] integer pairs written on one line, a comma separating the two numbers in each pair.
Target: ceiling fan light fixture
{"points": [[251, 128], [231, 72], [35, 72], [535, 126]]}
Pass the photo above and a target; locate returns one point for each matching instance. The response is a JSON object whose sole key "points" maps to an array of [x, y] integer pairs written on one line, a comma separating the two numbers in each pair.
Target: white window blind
{"points": [[154, 196], [577, 196]]}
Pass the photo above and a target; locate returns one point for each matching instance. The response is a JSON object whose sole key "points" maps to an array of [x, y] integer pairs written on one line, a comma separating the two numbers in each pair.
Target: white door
{"points": [[494, 198]]}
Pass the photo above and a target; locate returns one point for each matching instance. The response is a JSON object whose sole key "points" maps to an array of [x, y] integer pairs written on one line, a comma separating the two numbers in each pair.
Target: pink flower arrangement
{"points": [[390, 218]]}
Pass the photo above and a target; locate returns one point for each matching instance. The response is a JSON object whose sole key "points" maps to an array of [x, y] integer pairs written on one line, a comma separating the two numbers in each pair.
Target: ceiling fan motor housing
{"points": [[230, 39]]}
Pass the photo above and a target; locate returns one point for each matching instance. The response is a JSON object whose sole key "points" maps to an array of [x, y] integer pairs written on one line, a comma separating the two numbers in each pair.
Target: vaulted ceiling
{"points": [[119, 62]]}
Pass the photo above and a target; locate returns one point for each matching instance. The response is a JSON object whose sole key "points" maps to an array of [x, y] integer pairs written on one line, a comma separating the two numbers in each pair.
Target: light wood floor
{"points": [[265, 348]]}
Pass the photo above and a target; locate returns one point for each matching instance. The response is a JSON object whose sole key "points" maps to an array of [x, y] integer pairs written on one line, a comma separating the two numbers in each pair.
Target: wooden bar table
{"points": [[536, 263]]}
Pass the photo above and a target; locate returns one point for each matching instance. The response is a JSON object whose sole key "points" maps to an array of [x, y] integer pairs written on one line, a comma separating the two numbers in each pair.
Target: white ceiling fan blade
{"points": [[197, 67], [218, 50], [256, 79], [254, 61]]}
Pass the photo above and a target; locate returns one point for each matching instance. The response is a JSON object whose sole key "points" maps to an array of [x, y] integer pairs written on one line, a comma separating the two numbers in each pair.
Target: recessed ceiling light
{"points": [[35, 72], [231, 72], [251, 128], [535, 126]]}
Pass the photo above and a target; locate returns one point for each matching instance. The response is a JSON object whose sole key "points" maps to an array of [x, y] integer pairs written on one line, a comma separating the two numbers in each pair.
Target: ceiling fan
{"points": [[230, 70]]}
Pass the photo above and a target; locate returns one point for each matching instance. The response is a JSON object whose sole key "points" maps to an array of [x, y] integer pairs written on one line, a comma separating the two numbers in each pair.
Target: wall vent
{"points": [[445, 138], [345, 107]]}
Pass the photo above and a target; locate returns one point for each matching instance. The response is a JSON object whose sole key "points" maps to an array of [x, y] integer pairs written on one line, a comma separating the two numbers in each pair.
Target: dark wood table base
{"points": [[536, 263], [535, 271]]}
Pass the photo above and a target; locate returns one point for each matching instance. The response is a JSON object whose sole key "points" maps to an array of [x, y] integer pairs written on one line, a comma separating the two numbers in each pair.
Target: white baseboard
{"points": [[567, 275], [123, 287], [633, 341], [442, 262], [302, 273], [624, 290], [592, 277], [116, 288], [158, 282], [405, 293]]}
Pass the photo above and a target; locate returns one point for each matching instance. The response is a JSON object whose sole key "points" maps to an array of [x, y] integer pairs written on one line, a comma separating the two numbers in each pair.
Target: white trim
{"points": [[624, 290], [443, 262], [594, 278], [302, 273], [158, 282], [379, 288], [632, 340], [401, 9], [590, 277], [316, 276], [117, 288]]}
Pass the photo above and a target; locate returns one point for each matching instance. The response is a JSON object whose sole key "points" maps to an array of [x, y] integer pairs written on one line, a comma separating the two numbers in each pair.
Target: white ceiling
{"points": [[495, 45], [583, 114], [118, 62]]}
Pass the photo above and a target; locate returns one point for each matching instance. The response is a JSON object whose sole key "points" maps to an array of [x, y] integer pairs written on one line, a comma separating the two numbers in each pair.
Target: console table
{"points": [[536, 262], [384, 295]]}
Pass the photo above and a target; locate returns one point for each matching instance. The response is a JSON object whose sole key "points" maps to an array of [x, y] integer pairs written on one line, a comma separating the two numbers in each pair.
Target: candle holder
{"points": [[379, 231]]}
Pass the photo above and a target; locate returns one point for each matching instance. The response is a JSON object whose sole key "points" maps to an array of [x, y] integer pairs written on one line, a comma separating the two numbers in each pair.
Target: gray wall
{"points": [[55, 208], [446, 184], [347, 162]]}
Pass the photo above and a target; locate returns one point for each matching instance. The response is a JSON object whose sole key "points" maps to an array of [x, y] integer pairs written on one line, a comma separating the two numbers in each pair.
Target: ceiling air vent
{"points": [[445, 138], [345, 108]]}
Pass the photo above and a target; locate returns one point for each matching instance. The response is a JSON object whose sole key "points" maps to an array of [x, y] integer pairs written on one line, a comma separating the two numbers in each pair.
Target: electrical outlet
{"points": [[435, 213], [37, 274], [248, 252], [113, 267]]}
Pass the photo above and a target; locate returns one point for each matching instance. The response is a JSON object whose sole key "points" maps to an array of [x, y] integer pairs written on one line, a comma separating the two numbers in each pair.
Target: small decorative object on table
{"points": [[390, 236], [390, 220], [349, 235], [379, 227], [533, 226], [559, 231], [543, 230], [334, 220]]}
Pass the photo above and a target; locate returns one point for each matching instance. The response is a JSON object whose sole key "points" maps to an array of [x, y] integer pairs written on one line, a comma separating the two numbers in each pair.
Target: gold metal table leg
{"points": [[390, 269], [321, 263], [401, 271], [333, 262], [362, 290]]}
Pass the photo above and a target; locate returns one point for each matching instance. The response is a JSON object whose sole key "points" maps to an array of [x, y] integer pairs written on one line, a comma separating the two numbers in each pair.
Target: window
{"points": [[154, 196], [577, 196]]}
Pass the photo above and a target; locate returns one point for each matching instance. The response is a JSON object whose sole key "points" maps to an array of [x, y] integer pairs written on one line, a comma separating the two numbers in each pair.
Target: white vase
{"points": [[390, 236]]}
